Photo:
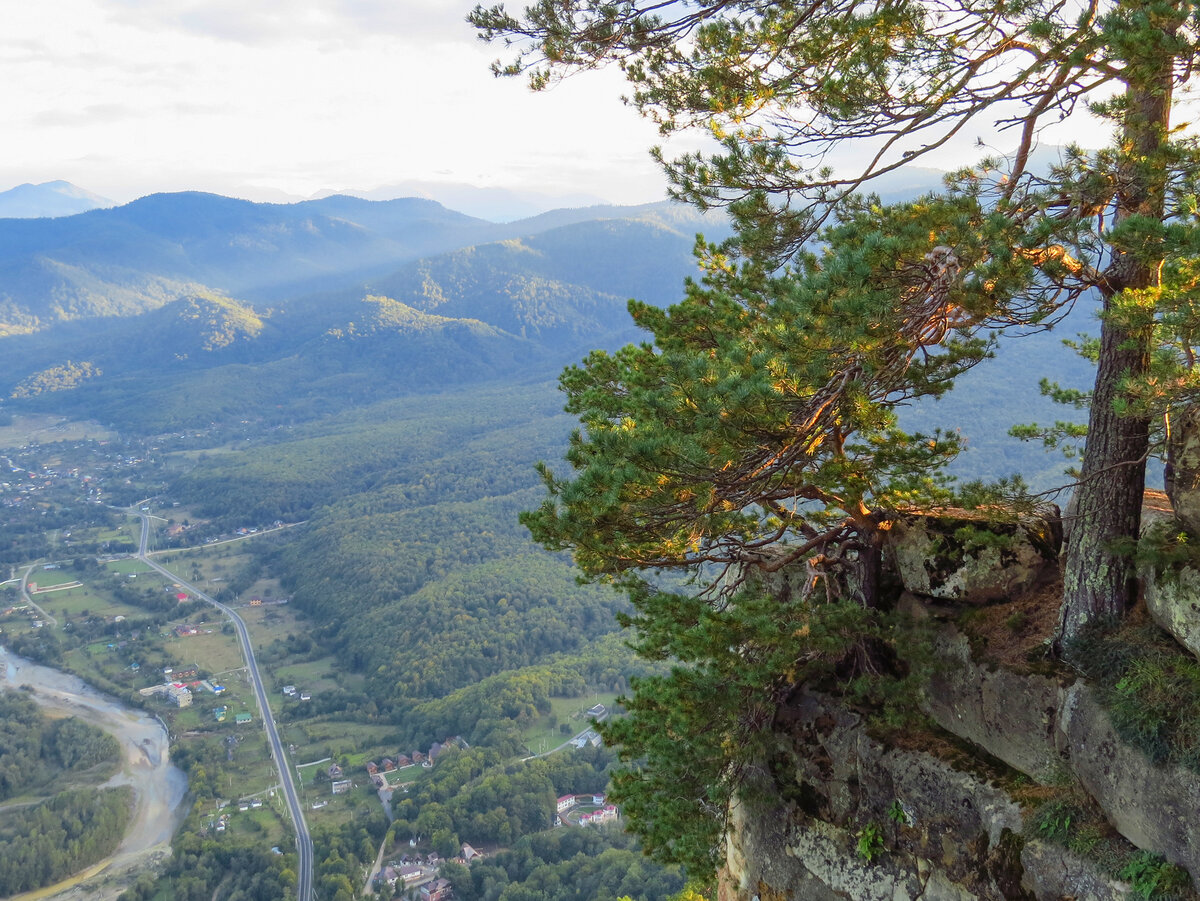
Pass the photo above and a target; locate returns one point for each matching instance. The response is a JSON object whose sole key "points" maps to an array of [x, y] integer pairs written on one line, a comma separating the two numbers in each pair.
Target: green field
{"points": [[214, 652], [310, 675], [129, 565], [545, 733], [47, 578], [46, 428], [83, 602]]}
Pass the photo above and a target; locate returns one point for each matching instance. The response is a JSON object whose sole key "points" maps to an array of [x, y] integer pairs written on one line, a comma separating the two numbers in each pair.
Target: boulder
{"points": [[961, 838], [967, 556], [1173, 600], [1152, 806], [1012, 716]]}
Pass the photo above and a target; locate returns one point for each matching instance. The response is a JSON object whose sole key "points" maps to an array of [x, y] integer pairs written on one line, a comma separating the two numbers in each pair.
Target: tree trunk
{"points": [[1099, 580], [1099, 577], [864, 571]]}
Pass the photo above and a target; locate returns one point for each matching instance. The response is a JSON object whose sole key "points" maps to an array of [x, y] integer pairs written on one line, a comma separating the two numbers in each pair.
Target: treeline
{"points": [[42, 844], [474, 796], [200, 869], [35, 750], [567, 864]]}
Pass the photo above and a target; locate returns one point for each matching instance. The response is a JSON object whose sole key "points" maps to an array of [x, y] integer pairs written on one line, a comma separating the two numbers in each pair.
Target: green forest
{"points": [[42, 844], [37, 751]]}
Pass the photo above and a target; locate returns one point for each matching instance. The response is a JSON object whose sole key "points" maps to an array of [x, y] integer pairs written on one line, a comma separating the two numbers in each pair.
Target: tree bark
{"points": [[1099, 577]]}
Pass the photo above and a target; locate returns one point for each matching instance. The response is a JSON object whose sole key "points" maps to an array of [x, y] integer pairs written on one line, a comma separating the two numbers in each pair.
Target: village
{"points": [[417, 877]]}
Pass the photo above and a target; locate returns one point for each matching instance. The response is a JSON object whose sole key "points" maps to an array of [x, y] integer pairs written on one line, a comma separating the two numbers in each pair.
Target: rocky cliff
{"points": [[1014, 784]]}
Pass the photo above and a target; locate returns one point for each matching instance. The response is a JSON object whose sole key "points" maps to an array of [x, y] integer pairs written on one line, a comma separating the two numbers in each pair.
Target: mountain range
{"points": [[184, 309], [48, 199], [271, 306]]}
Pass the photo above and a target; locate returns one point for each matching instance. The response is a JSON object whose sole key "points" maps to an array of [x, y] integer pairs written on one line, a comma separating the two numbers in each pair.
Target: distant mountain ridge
{"points": [[48, 200], [260, 309], [124, 260]]}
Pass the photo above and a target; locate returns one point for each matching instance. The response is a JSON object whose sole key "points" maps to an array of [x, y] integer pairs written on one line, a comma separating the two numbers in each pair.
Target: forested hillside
{"points": [[412, 560], [394, 419]]}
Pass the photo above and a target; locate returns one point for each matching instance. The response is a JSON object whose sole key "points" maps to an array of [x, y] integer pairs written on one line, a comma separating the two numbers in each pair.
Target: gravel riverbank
{"points": [[159, 788]]}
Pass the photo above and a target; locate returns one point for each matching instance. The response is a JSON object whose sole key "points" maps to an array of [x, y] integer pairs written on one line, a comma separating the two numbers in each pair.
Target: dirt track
{"points": [[159, 788]]}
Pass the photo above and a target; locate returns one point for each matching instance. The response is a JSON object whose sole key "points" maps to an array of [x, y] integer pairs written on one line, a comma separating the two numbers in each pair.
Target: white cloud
{"points": [[296, 97]]}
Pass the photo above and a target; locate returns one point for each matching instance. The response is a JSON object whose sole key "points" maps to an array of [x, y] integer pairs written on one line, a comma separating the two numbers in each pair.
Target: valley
{"points": [[340, 462]]}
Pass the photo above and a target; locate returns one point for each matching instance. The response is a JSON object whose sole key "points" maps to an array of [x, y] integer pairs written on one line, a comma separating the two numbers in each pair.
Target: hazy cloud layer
{"points": [[124, 97]]}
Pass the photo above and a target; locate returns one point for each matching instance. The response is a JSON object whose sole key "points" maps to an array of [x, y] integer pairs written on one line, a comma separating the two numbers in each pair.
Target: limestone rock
{"points": [[961, 839], [1173, 599], [1053, 873], [960, 555], [1152, 806], [1012, 716]]}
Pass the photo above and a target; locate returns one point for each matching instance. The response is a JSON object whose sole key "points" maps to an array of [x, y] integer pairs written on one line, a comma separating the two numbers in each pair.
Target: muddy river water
{"points": [[159, 788]]}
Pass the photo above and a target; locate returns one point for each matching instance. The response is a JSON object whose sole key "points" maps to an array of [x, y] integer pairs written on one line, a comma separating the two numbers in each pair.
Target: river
{"points": [[159, 788]]}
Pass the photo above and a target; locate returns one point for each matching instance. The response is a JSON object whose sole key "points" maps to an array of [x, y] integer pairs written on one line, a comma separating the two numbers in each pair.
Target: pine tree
{"points": [[756, 429], [783, 86]]}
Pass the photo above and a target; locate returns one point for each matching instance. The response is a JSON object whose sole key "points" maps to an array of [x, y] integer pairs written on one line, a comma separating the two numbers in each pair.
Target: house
{"points": [[595, 818], [418, 757], [219, 714], [388, 764], [335, 771], [305, 696], [289, 691], [598, 799], [403, 761], [180, 695], [438, 890], [566, 802], [469, 853], [341, 786], [242, 718], [372, 768], [597, 712]]}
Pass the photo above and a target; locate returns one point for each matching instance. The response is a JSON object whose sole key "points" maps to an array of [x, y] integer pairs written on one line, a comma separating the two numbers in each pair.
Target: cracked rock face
{"points": [[963, 556]]}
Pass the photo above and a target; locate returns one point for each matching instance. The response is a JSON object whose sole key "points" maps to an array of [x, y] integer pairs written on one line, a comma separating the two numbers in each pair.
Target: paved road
{"points": [[304, 881], [28, 598]]}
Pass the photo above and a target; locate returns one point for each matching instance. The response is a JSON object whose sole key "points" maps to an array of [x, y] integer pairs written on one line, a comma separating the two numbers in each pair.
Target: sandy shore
{"points": [[159, 788]]}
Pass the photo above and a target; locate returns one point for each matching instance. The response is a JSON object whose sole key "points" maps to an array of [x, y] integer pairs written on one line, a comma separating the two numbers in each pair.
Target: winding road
{"points": [[304, 847]]}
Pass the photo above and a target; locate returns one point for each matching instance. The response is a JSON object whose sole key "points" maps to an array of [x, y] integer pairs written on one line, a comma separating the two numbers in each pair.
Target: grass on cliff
{"points": [[1150, 686], [1074, 821]]}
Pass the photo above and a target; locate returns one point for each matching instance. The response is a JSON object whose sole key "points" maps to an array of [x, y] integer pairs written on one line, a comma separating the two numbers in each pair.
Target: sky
{"points": [[284, 100], [290, 99]]}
